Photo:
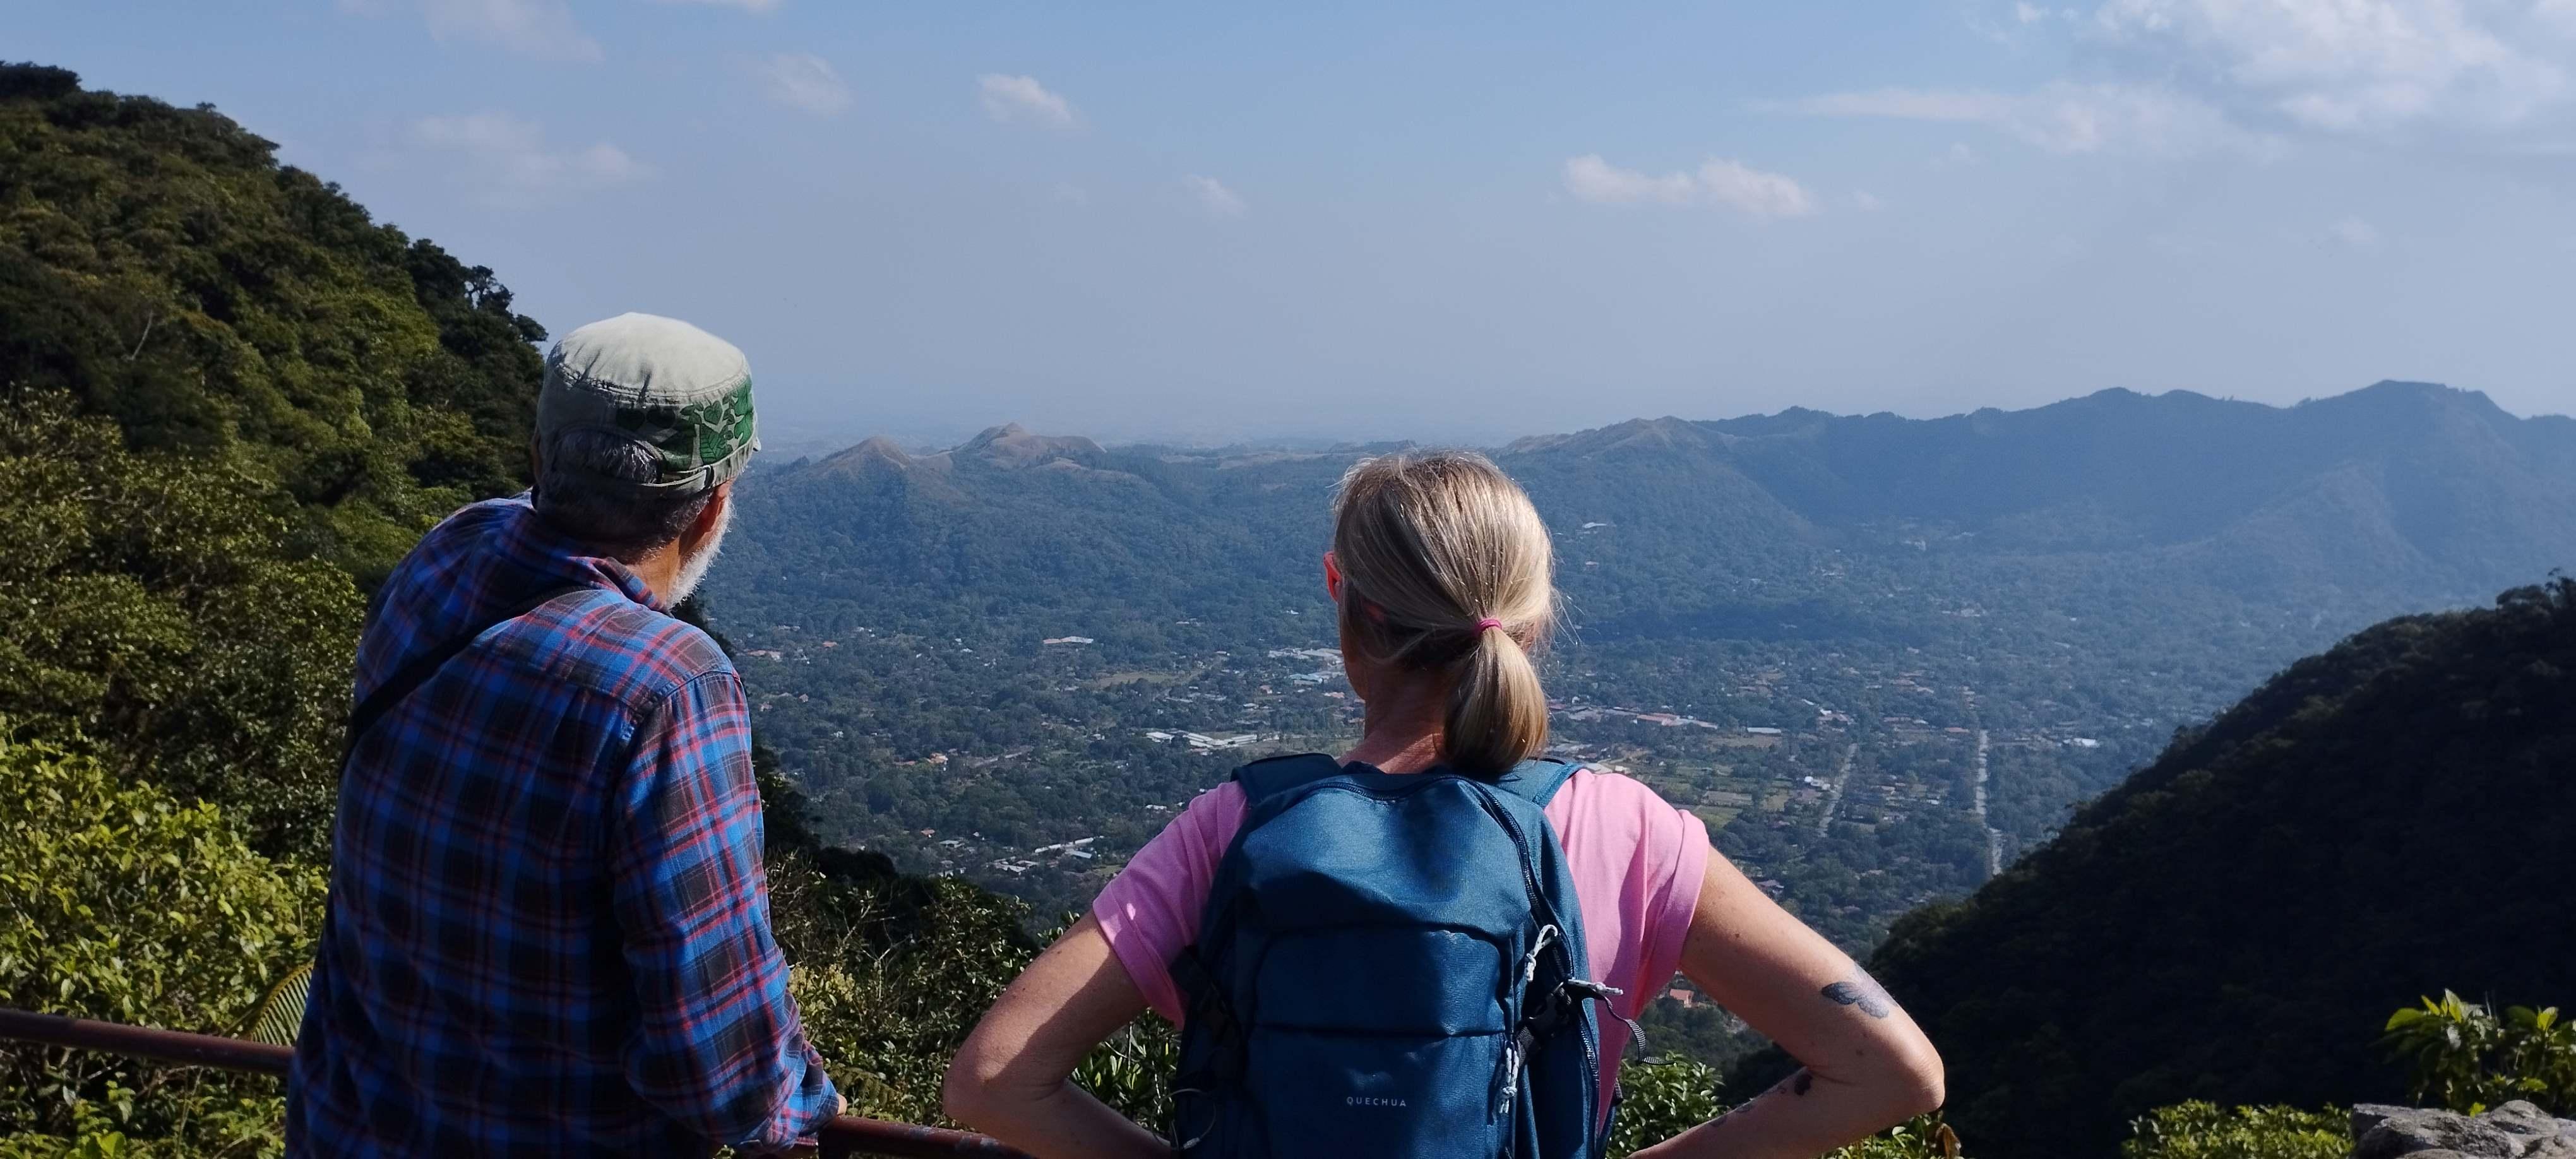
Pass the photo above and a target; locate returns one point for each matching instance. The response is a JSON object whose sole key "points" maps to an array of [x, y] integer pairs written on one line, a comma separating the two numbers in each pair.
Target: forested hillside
{"points": [[232, 401], [229, 402], [160, 269], [2235, 921]]}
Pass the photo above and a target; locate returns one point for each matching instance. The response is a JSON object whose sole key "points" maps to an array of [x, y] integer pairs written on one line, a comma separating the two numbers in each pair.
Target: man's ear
{"points": [[712, 515], [536, 458], [1332, 577]]}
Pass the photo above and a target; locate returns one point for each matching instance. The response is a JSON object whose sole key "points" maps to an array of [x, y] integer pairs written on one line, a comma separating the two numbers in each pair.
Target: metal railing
{"points": [[846, 1137]]}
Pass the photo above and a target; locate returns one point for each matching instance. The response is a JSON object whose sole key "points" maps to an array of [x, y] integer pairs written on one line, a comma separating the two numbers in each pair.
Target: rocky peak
{"points": [[1011, 446], [876, 453]]}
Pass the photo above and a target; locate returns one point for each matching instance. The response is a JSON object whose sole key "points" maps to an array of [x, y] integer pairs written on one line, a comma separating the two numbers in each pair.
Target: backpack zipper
{"points": [[1539, 903]]}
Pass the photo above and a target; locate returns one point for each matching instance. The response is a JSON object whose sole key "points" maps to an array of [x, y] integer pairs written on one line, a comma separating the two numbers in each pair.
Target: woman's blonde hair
{"points": [[1446, 568]]}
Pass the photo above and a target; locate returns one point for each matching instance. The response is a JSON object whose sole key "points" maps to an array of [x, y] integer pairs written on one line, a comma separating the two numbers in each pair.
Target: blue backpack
{"points": [[1390, 965]]}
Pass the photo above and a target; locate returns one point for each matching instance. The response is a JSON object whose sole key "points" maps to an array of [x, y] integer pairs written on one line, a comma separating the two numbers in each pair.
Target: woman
{"points": [[1441, 571]]}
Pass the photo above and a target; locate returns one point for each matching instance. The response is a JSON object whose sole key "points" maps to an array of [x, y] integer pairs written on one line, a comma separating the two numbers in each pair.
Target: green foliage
{"points": [[2467, 1059], [1924, 1137], [280, 1013], [150, 600], [160, 268], [1133, 1070], [132, 906], [2226, 924], [2199, 1130], [890, 971], [1661, 1099]]}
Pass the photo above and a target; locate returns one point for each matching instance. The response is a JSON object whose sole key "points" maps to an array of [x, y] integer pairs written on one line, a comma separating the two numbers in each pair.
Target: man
{"points": [[548, 928]]}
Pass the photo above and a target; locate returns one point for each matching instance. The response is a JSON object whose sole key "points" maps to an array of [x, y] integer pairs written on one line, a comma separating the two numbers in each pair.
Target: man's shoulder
{"points": [[475, 523], [626, 651]]}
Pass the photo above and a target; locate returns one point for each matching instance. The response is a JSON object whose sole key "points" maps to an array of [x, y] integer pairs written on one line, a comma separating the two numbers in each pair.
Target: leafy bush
{"points": [[2198, 1130], [132, 906], [1662, 1098], [1665, 1097], [1926, 1137], [1133, 1070], [153, 604], [2467, 1059]]}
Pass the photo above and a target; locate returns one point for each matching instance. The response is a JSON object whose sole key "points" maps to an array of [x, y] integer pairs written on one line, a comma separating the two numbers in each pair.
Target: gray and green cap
{"points": [[681, 392]]}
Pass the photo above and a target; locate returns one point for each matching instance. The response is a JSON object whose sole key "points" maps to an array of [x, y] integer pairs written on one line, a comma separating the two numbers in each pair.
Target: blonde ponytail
{"points": [[1497, 711], [1448, 569]]}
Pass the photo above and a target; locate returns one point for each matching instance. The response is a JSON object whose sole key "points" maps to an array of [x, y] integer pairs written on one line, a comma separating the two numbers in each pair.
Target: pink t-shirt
{"points": [[1637, 864]]}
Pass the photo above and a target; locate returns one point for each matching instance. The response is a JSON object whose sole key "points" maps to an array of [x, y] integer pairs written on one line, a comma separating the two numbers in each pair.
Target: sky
{"points": [[1461, 221]]}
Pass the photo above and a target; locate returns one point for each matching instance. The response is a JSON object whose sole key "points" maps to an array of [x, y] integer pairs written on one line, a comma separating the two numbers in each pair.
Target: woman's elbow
{"points": [[1919, 1080], [966, 1093]]}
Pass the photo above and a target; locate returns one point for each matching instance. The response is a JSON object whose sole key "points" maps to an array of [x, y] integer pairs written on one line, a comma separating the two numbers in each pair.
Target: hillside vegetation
{"points": [[159, 268], [228, 403], [2235, 921]]}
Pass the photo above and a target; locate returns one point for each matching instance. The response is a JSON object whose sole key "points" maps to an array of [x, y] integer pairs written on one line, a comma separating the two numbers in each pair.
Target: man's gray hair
{"points": [[587, 488]]}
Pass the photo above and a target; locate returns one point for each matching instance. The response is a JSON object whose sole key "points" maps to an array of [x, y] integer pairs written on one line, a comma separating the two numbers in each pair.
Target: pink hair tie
{"points": [[1488, 623]]}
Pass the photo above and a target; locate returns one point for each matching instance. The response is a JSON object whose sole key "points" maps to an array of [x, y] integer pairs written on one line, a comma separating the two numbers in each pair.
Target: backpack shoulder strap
{"points": [[1270, 777], [1536, 781], [417, 671]]}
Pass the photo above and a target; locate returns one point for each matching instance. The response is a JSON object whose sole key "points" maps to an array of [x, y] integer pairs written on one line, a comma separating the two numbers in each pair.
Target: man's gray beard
{"points": [[694, 569]]}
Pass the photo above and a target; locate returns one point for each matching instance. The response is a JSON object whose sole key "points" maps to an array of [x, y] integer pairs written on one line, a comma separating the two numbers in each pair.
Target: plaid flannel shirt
{"points": [[548, 926]]}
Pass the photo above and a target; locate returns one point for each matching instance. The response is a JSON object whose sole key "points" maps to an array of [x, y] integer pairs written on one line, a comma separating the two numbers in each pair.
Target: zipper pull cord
{"points": [[1547, 935]]}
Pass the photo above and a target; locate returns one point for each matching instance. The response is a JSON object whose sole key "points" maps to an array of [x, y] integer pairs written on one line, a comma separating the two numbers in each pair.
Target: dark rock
{"points": [[2542, 1136], [2421, 1132], [2368, 1115], [2516, 1130]]}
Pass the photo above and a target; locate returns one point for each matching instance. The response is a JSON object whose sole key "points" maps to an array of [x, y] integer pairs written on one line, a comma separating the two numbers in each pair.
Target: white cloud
{"points": [[1866, 201], [1015, 98], [1592, 179], [2061, 117], [2355, 232], [802, 80], [2187, 76], [543, 29], [1717, 182], [1214, 197], [506, 159], [2343, 66]]}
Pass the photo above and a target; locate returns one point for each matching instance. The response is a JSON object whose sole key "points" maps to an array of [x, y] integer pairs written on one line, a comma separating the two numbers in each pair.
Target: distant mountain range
{"points": [[2401, 489], [2398, 497]]}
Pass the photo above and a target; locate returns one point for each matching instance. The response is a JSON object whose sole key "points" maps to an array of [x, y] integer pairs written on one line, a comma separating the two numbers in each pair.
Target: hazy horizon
{"points": [[1450, 221], [790, 440]]}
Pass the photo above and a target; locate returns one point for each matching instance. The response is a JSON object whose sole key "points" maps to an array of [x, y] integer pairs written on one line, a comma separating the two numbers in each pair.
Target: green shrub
{"points": [[1926, 1137], [1662, 1098], [2207, 1131], [1666, 1097], [154, 606], [130, 906], [2467, 1059]]}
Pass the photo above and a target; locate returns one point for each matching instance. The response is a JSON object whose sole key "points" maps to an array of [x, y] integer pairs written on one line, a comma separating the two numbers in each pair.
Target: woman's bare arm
{"points": [[1011, 1079], [1868, 1067]]}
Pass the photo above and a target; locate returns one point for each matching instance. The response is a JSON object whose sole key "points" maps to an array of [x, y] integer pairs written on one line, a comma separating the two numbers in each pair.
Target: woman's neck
{"points": [[1401, 732]]}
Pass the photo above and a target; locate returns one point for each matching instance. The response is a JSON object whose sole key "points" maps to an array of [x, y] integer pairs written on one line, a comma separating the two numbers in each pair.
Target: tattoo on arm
{"points": [[1864, 992]]}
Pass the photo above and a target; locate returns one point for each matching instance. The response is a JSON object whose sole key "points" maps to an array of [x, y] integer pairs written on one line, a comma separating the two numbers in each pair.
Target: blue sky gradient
{"points": [[1449, 221]]}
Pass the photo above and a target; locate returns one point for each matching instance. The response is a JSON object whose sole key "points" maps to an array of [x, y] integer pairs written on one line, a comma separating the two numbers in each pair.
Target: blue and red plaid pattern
{"points": [[548, 927]]}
